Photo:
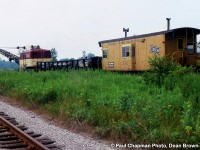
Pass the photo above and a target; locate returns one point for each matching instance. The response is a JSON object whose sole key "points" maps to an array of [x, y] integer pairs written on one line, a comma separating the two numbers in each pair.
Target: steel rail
{"points": [[30, 141]]}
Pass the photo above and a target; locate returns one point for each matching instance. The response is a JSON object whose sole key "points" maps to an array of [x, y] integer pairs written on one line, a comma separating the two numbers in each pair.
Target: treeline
{"points": [[8, 65], [85, 56]]}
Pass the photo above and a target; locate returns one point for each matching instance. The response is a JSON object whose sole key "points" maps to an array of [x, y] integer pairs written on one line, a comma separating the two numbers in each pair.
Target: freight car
{"points": [[91, 63], [28, 59], [132, 53]]}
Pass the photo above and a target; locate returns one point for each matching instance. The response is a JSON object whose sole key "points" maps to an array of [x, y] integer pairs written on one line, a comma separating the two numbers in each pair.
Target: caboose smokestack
{"points": [[168, 23]]}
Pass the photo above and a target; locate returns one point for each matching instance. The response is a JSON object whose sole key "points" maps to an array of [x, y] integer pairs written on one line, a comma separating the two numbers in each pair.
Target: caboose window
{"points": [[105, 53], [180, 43], [34, 54], [126, 51], [190, 49]]}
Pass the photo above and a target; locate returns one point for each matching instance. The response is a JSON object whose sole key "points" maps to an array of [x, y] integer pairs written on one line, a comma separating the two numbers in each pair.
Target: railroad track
{"points": [[15, 136]]}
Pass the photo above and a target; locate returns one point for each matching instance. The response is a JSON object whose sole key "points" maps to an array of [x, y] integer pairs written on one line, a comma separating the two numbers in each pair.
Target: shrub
{"points": [[162, 65], [164, 71]]}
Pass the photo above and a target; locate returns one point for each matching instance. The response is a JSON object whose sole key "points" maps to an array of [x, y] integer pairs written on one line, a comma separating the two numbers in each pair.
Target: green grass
{"points": [[125, 107]]}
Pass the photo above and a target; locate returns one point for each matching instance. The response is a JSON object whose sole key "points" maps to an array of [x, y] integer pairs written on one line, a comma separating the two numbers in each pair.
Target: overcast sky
{"points": [[73, 26]]}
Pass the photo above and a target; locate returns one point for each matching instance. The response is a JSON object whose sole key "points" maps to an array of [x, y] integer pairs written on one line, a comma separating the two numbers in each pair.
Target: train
{"points": [[82, 63], [39, 59], [129, 53]]}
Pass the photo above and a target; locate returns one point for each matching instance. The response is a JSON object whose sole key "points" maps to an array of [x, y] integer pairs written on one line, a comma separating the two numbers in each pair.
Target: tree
{"points": [[198, 44], [87, 56], [54, 54], [8, 65], [84, 54], [198, 47], [90, 55], [64, 59]]}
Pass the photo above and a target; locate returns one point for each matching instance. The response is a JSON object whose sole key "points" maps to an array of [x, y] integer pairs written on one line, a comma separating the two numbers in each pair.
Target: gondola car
{"points": [[83, 63], [28, 59]]}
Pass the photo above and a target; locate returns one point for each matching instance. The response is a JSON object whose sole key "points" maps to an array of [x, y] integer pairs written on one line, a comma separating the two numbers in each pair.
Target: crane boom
{"points": [[10, 56]]}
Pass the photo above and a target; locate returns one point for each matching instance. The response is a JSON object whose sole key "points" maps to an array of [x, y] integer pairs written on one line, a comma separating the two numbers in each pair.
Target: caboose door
{"points": [[133, 57]]}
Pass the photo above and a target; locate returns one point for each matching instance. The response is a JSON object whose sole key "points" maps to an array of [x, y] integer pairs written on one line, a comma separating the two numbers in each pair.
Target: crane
{"points": [[9, 55]]}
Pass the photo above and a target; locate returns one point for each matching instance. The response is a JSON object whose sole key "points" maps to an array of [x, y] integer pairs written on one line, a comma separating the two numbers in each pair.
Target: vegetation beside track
{"points": [[162, 106]]}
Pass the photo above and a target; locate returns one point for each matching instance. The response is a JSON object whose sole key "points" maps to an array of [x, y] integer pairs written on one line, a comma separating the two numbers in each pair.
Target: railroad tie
{"points": [[18, 137]]}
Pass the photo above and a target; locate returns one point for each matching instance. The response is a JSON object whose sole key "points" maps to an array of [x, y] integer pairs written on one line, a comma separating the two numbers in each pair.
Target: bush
{"points": [[162, 65], [164, 71]]}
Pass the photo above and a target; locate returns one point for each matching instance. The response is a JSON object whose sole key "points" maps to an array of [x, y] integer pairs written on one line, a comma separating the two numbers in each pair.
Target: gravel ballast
{"points": [[65, 139]]}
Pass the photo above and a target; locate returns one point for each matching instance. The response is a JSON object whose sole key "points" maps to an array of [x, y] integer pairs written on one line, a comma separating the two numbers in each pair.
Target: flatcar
{"points": [[132, 53], [28, 59]]}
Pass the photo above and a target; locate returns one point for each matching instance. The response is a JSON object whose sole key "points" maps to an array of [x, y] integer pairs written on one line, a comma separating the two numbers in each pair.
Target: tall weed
{"points": [[132, 108]]}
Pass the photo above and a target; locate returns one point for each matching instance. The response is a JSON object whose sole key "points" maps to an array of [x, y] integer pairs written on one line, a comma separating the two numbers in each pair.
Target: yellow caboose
{"points": [[132, 53]]}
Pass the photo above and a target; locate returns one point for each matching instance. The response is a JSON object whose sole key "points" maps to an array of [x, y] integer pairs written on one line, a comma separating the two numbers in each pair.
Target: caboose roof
{"points": [[173, 31]]}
